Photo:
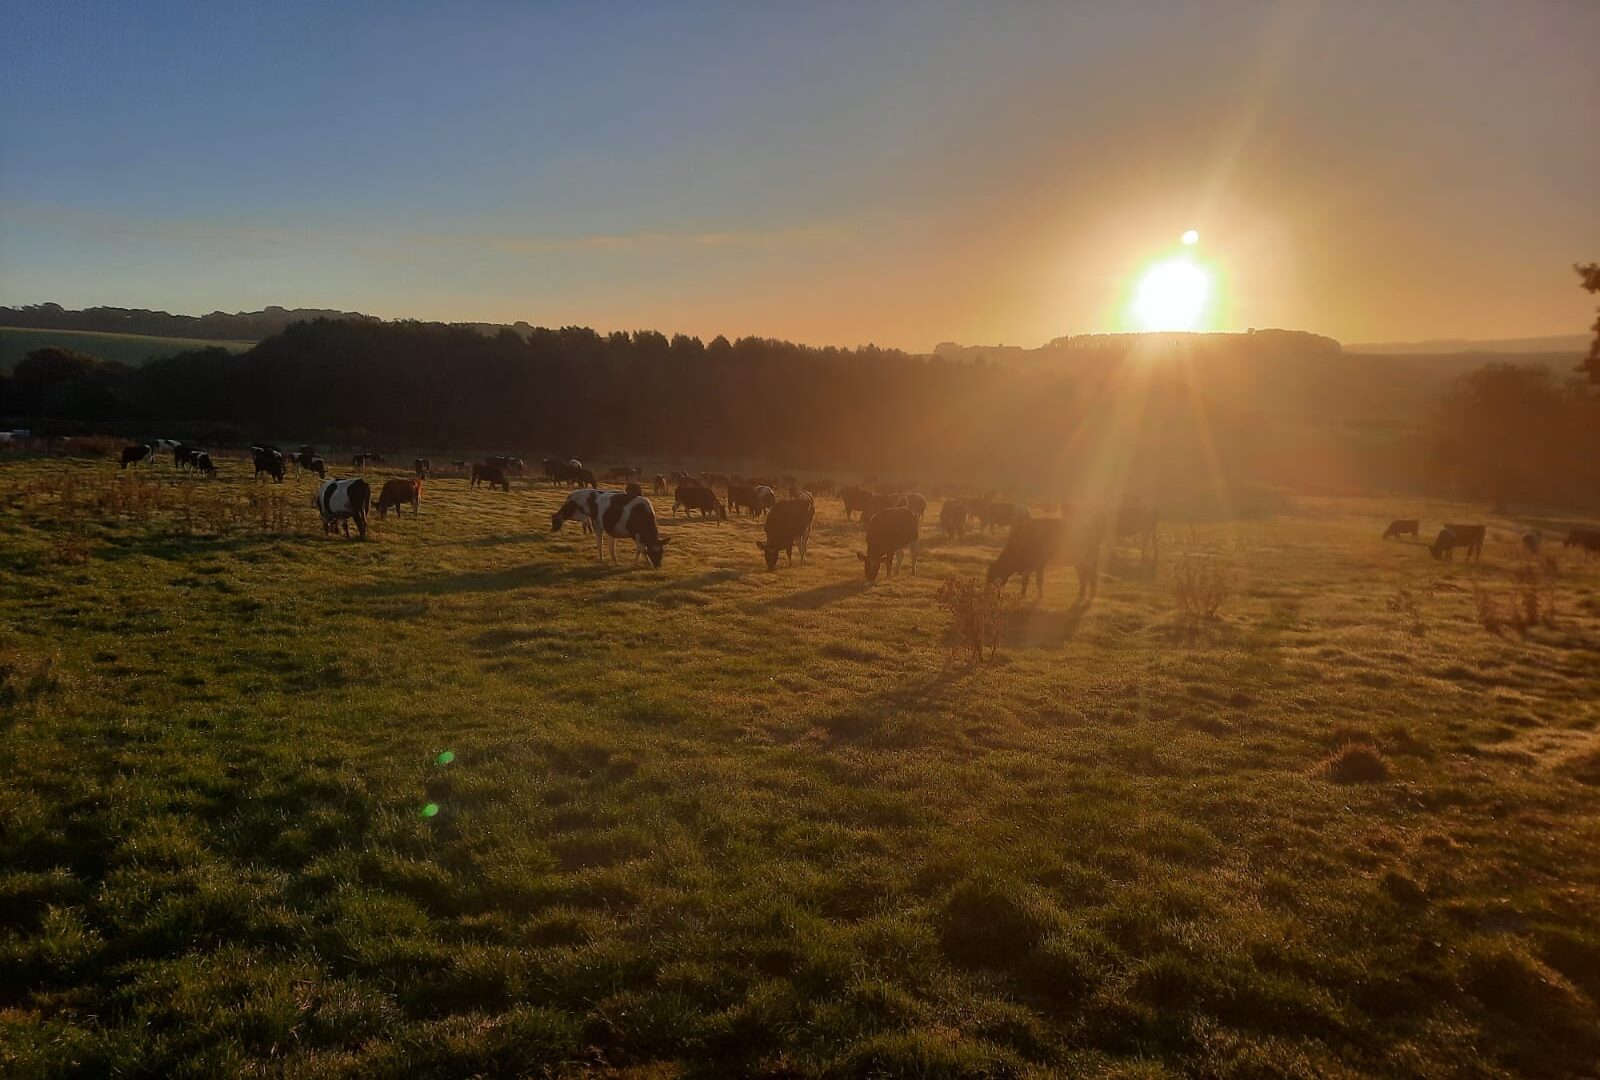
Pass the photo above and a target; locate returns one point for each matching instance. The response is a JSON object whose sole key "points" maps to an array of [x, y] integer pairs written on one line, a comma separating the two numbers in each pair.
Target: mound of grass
{"points": [[992, 921], [1356, 763]]}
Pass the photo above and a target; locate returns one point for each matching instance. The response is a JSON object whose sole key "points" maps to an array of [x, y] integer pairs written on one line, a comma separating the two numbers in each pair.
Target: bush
{"points": [[1404, 603], [977, 615], [1201, 585]]}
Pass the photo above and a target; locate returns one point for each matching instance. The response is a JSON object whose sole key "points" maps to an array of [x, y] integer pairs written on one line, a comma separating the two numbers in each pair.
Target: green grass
{"points": [[711, 820], [134, 349]]}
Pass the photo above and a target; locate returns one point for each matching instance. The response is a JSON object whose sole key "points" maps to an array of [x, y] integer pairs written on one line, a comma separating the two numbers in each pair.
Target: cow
{"points": [[695, 497], [741, 497], [1034, 544], [1531, 540], [183, 455], [788, 527], [615, 515], [877, 503], [396, 493], [1136, 519], [162, 446], [1587, 540], [1463, 536], [765, 500], [658, 486], [343, 501], [134, 454], [268, 460], [855, 499], [305, 456], [1399, 527], [1001, 513], [422, 467], [572, 475], [889, 533], [316, 465], [202, 463], [359, 461], [492, 475], [915, 503], [511, 466], [953, 518]]}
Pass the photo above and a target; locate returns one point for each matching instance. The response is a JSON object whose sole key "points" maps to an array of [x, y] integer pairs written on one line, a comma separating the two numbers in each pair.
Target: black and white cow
{"points": [[133, 454], [201, 461], [615, 515], [343, 501], [788, 527], [269, 460]]}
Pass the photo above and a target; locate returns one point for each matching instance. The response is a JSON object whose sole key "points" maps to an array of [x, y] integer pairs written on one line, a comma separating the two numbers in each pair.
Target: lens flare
{"points": [[1171, 295], [1191, 237]]}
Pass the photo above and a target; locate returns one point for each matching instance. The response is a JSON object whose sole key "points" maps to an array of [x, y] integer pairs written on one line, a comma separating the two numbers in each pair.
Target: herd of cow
{"points": [[1470, 538], [891, 519]]}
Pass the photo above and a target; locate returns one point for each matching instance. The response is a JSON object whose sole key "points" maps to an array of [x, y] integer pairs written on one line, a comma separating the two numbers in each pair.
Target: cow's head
{"points": [[871, 565], [771, 552], [654, 551], [999, 576]]}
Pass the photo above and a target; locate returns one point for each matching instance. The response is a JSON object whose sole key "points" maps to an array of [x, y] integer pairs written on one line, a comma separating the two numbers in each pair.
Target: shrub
{"points": [[1487, 606], [1533, 600], [977, 615], [1357, 763], [1201, 585], [1404, 603]]}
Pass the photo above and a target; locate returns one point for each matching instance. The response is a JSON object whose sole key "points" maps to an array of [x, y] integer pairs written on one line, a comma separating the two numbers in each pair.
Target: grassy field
{"points": [[135, 349], [460, 801]]}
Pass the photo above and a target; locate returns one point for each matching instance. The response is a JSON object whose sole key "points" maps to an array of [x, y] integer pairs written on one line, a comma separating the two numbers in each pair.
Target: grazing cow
{"points": [[615, 515], [396, 493], [953, 518], [202, 463], [422, 467], [1033, 545], [1463, 536], [268, 460], [741, 497], [766, 499], [359, 461], [658, 486], [1136, 519], [183, 455], [788, 527], [134, 454], [1001, 513], [855, 499], [1531, 540], [572, 475], [511, 466], [1399, 527], [695, 497], [316, 465], [574, 463], [1587, 540], [492, 475], [161, 446], [889, 533], [343, 501]]}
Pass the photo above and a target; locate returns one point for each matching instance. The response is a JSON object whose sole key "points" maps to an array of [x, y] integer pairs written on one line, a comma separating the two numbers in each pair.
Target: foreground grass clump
{"points": [[711, 820], [1357, 763]]}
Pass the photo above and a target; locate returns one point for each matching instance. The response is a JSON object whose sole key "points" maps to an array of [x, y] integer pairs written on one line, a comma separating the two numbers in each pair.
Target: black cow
{"points": [[268, 460], [1399, 527], [316, 465], [696, 497], [889, 533], [953, 518], [855, 499], [183, 455], [741, 497], [202, 463], [1587, 540], [134, 454], [1034, 544], [511, 466], [788, 527], [1463, 536], [423, 468], [492, 475]]}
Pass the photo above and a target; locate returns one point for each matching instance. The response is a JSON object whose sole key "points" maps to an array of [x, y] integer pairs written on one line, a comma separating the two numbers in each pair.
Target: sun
{"points": [[1171, 295]]}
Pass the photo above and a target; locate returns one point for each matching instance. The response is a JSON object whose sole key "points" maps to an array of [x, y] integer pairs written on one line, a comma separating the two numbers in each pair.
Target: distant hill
{"points": [[1572, 344], [132, 349], [217, 326]]}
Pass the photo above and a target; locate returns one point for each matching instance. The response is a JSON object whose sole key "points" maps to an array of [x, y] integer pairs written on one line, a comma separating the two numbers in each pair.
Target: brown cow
{"points": [[397, 492]]}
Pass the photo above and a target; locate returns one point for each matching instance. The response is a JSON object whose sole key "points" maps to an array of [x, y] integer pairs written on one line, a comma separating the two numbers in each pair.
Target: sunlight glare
{"points": [[1171, 296], [1191, 237]]}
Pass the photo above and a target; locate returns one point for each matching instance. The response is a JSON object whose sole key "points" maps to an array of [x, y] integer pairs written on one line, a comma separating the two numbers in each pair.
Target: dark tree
{"points": [[1590, 276]]}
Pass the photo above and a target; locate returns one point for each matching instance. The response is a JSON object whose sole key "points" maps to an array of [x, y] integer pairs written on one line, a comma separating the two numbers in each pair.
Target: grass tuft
{"points": [[1357, 763]]}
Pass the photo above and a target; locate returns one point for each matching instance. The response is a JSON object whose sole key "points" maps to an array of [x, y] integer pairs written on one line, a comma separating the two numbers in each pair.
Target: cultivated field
{"points": [[459, 801], [135, 349]]}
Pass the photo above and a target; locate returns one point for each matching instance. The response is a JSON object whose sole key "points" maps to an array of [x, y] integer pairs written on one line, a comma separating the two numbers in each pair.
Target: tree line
{"points": [[1103, 421]]}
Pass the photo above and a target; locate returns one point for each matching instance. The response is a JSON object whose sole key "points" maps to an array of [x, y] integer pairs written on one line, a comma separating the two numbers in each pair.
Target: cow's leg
{"points": [[600, 545]]}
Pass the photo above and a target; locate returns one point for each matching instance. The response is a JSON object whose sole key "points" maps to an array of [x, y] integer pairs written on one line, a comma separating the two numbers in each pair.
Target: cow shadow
{"points": [[656, 588], [506, 579], [819, 597], [896, 717], [1036, 627], [175, 548]]}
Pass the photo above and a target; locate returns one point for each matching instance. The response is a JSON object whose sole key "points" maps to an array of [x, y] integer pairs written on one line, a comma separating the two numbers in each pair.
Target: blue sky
{"points": [[834, 173]]}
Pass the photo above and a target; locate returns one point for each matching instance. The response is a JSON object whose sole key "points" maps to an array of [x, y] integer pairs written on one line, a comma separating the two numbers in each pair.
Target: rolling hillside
{"points": [[16, 342]]}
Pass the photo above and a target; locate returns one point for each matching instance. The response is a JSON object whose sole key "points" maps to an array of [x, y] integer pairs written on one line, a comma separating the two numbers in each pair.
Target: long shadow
{"points": [[174, 548], [1038, 628], [503, 580], [655, 588], [819, 597], [892, 717]]}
